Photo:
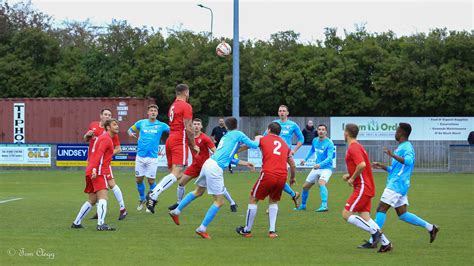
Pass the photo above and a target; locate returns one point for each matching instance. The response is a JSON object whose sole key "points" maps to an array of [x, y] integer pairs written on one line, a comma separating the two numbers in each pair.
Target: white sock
{"points": [[228, 197], [180, 192], [429, 227], [373, 224], [385, 240], [272, 216], [85, 209], [101, 211], [201, 228], [251, 213], [359, 222], [118, 196], [164, 184]]}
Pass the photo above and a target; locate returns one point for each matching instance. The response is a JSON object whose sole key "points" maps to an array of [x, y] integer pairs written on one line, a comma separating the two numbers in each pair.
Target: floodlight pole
{"points": [[236, 65], [212, 16]]}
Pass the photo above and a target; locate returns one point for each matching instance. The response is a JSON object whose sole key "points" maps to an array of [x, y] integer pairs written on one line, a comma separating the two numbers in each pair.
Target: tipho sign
{"points": [[255, 157], [423, 128], [18, 123], [25, 155]]}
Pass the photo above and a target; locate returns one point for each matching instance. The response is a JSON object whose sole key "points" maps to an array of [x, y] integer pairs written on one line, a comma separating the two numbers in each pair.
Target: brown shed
{"points": [[64, 120]]}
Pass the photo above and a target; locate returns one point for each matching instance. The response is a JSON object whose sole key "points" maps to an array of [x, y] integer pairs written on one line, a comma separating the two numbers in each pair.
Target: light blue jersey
{"points": [[399, 174], [229, 145], [150, 135], [324, 152], [288, 128]]}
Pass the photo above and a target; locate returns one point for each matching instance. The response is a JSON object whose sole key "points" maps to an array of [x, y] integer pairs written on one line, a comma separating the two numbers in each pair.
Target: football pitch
{"points": [[35, 229]]}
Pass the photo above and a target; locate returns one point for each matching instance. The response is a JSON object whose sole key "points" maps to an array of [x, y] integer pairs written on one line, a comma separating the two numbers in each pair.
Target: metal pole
{"points": [[236, 65], [212, 15]]}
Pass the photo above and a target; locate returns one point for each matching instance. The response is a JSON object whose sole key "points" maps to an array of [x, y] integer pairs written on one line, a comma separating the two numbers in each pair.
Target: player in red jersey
{"points": [[205, 145], [357, 209], [180, 138], [97, 171], [96, 129], [275, 156]]}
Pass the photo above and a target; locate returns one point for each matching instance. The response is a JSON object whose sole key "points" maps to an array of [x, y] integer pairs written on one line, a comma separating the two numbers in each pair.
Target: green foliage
{"points": [[360, 74]]}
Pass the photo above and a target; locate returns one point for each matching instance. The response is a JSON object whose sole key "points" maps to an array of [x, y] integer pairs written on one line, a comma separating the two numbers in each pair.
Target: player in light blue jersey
{"points": [[146, 161], [398, 182], [288, 129], [212, 174], [322, 169]]}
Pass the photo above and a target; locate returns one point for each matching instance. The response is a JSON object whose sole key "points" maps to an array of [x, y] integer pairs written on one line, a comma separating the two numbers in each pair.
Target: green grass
{"points": [[51, 200]]}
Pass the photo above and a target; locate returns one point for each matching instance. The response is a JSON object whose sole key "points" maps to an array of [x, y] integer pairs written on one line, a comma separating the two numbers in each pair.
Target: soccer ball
{"points": [[223, 49]]}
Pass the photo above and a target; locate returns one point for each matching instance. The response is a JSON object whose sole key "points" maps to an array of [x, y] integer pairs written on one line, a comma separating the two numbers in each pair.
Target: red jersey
{"points": [[98, 131], [365, 182], [275, 155], [179, 111], [101, 155], [205, 144]]}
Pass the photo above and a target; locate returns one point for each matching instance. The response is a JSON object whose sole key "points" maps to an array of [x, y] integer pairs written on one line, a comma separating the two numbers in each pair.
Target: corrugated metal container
{"points": [[65, 120]]}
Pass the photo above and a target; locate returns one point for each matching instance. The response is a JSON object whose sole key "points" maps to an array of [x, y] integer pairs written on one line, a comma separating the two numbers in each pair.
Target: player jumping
{"points": [[180, 115]]}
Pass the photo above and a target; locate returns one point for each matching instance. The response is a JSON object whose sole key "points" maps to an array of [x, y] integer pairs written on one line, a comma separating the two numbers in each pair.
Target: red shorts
{"points": [[358, 203], [193, 170], [96, 184], [268, 185], [176, 152]]}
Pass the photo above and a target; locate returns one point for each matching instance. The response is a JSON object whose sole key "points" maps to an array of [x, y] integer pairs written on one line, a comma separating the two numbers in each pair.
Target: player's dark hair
{"points": [[152, 106], [197, 120], [323, 125], [352, 130], [284, 106], [180, 88], [231, 123], [105, 109], [275, 128], [406, 128], [108, 122]]}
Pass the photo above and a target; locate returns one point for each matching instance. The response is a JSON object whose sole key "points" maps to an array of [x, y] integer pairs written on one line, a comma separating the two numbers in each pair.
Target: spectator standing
{"points": [[309, 133]]}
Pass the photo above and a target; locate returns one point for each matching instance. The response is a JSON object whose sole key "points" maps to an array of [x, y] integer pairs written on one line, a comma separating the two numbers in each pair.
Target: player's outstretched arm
{"points": [[250, 165], [378, 165]]}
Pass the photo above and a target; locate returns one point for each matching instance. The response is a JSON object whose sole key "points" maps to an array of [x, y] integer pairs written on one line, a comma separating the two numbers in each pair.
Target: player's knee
{"points": [[321, 183], [151, 181]]}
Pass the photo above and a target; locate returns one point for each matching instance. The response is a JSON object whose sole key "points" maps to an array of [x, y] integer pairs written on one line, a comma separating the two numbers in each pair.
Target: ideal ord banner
{"points": [[255, 157], [423, 128], [25, 155]]}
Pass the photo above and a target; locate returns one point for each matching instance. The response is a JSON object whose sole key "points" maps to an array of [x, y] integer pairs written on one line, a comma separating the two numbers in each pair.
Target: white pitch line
{"points": [[3, 201]]}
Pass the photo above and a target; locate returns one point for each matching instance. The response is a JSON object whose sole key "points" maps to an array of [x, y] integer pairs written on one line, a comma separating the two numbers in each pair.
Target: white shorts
{"points": [[211, 177], [319, 174], [146, 166], [393, 198]]}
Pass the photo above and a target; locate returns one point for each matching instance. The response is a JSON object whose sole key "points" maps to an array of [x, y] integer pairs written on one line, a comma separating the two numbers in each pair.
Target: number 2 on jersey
{"points": [[277, 148]]}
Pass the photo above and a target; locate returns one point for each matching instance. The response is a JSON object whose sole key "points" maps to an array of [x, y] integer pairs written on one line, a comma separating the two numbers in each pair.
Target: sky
{"points": [[259, 19]]}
